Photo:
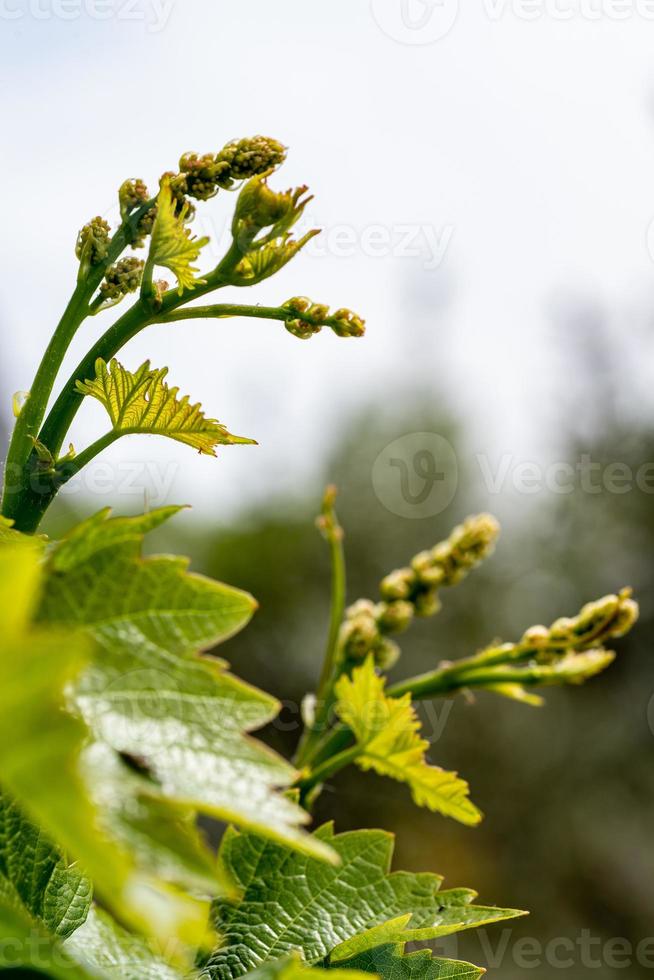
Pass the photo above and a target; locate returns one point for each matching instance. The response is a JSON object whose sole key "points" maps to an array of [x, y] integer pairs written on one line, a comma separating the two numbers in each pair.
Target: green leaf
{"points": [[9, 536], [111, 953], [41, 745], [108, 951], [390, 963], [141, 402], [292, 903], [96, 578], [43, 898], [263, 262], [159, 834], [172, 244], [149, 697], [292, 968], [46, 912], [52, 891], [387, 731]]}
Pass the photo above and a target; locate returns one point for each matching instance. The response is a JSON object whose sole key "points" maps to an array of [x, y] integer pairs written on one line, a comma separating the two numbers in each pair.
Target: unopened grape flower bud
{"points": [[131, 195], [93, 241], [345, 323], [200, 175], [248, 157], [536, 638], [466, 546], [301, 329], [427, 603], [395, 617], [426, 567], [122, 278], [398, 584], [626, 615], [386, 653], [360, 632]]}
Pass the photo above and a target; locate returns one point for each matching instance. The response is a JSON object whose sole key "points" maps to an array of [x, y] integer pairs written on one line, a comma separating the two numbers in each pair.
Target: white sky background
{"points": [[530, 143]]}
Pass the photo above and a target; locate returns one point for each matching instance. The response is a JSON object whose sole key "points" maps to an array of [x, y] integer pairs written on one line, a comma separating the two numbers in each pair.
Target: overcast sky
{"points": [[485, 161]]}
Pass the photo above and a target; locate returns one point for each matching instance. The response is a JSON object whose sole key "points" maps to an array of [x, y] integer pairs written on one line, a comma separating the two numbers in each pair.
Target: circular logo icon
{"points": [[416, 476], [415, 21]]}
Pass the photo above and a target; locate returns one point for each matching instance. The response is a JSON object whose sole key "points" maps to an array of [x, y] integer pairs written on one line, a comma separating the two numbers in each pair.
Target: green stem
{"points": [[68, 468], [67, 404], [31, 415], [147, 289], [139, 316], [469, 672], [330, 661], [19, 483], [220, 310], [333, 533], [44, 486], [332, 765], [462, 673]]}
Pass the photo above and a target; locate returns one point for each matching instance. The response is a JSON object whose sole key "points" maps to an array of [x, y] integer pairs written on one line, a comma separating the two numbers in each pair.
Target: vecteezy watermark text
{"points": [[124, 479], [421, 242], [564, 477], [417, 475], [420, 22], [153, 14], [565, 952]]}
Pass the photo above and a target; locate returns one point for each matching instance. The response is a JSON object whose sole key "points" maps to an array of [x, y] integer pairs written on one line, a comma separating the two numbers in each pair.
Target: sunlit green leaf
{"points": [[387, 730], [173, 246], [291, 903], [141, 402], [149, 697]]}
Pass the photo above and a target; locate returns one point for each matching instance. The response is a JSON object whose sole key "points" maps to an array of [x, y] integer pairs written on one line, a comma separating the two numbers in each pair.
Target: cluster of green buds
{"points": [[203, 176], [132, 194], [120, 279], [570, 651], [593, 627], [200, 177], [92, 244], [413, 591], [309, 318]]}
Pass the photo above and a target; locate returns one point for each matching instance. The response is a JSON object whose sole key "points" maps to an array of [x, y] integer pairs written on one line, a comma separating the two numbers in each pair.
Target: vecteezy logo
{"points": [[415, 21], [416, 475]]}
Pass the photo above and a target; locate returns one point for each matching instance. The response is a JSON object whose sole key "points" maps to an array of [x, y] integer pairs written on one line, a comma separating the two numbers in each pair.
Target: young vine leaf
{"points": [[387, 732], [141, 402], [292, 903], [391, 962], [173, 246]]}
